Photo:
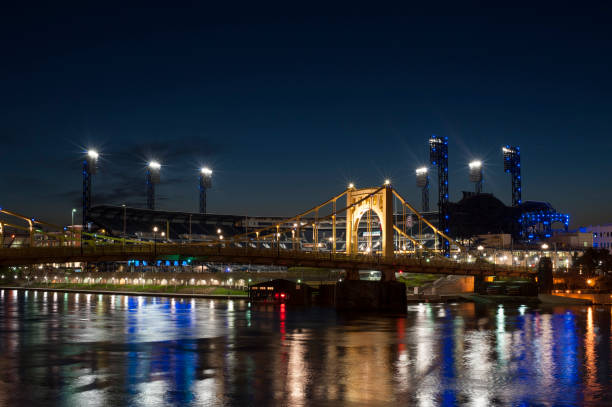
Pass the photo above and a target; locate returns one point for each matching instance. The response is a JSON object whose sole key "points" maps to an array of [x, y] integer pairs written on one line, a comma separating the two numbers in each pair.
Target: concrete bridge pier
{"points": [[386, 295], [545, 276], [352, 274], [388, 275]]}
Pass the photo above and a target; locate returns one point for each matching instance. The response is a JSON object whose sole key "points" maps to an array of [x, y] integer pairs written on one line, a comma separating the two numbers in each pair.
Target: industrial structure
{"points": [[512, 166], [89, 169], [438, 157]]}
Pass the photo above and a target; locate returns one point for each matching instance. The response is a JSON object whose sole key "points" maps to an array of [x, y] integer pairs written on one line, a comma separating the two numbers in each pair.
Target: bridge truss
{"points": [[356, 229]]}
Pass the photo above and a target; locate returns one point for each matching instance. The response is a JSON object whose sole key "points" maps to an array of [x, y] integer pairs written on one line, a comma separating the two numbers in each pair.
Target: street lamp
{"points": [[72, 225], [544, 247], [124, 221], [155, 229]]}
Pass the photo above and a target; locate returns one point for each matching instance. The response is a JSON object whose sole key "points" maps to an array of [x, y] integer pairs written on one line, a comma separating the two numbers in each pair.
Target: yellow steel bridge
{"points": [[399, 250]]}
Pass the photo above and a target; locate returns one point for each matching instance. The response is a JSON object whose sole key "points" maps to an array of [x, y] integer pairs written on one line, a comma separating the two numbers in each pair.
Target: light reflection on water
{"points": [[88, 349]]}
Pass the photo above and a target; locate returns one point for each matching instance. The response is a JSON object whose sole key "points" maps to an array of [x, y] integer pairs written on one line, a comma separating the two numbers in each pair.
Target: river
{"points": [[67, 349]]}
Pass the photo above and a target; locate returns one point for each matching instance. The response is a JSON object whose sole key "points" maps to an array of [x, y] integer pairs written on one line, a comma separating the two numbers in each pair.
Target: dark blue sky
{"points": [[288, 110]]}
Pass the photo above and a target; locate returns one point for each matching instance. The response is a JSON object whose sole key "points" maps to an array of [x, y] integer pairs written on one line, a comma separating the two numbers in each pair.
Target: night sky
{"points": [[287, 110]]}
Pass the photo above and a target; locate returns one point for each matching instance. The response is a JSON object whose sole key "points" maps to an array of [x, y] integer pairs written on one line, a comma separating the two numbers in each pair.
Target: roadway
{"points": [[289, 258]]}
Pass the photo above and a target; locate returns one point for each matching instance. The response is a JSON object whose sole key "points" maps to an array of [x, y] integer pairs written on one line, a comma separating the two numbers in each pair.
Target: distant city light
{"points": [[544, 246], [206, 171], [154, 165], [422, 170], [351, 185], [475, 164], [387, 182], [93, 154]]}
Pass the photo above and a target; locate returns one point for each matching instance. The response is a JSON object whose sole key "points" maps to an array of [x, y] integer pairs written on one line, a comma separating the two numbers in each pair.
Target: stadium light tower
{"points": [[512, 165], [422, 181], [438, 156], [89, 169], [205, 183], [153, 178], [476, 175]]}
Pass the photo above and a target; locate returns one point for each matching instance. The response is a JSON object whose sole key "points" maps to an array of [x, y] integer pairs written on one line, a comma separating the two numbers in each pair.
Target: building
{"points": [[602, 235], [576, 240], [482, 214]]}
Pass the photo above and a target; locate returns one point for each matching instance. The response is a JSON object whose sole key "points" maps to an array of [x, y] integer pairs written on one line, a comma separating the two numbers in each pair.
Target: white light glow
{"points": [[475, 164], [93, 154], [154, 165], [422, 170], [206, 171]]}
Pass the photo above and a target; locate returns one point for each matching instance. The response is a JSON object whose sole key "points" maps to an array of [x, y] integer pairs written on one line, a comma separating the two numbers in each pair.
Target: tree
{"points": [[593, 260]]}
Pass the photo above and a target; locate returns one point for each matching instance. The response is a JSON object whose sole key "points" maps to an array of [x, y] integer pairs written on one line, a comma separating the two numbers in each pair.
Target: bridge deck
{"points": [[289, 258]]}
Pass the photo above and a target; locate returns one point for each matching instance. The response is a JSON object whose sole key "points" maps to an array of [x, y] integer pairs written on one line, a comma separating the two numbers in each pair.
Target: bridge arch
{"points": [[359, 202], [357, 223]]}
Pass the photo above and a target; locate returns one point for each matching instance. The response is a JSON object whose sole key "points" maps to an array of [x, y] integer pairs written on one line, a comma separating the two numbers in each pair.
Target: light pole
{"points": [[155, 241], [205, 183], [476, 175], [72, 225], [544, 247], [153, 178], [89, 169], [422, 181], [124, 221]]}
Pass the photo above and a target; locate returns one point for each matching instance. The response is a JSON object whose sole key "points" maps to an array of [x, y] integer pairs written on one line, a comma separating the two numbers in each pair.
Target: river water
{"points": [[111, 350]]}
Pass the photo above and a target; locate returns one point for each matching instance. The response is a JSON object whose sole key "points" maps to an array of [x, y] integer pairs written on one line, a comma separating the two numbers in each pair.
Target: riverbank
{"points": [[152, 291]]}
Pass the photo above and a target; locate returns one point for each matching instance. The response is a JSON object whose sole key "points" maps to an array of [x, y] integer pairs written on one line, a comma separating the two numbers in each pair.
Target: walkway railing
{"points": [[118, 252]]}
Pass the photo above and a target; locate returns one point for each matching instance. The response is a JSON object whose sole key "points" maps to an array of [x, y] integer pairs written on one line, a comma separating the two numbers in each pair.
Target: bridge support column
{"points": [[352, 274], [387, 275], [545, 278], [371, 296]]}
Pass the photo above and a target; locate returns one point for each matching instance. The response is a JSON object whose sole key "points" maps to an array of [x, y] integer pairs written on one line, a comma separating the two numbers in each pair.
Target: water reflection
{"points": [[90, 349]]}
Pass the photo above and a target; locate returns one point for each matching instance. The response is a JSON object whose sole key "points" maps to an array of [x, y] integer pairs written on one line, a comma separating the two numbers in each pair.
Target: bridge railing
{"points": [[124, 252]]}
